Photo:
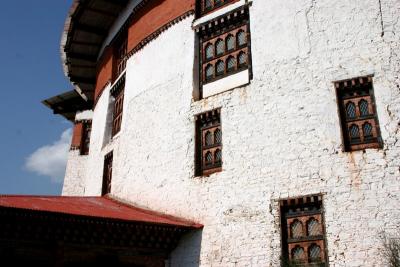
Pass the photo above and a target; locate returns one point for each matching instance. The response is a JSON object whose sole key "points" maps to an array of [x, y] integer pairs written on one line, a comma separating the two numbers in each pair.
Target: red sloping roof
{"points": [[99, 207]]}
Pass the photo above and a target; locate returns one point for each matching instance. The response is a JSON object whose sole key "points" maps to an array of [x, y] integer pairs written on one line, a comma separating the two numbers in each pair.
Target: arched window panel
{"points": [[242, 59], [208, 158], [218, 136], [230, 42], [208, 139], [230, 64], [298, 254], [314, 253], [354, 131], [219, 47], [241, 38], [363, 106], [367, 130], [218, 156], [296, 229], [220, 68], [209, 51], [209, 72], [313, 227], [218, 2], [350, 110]]}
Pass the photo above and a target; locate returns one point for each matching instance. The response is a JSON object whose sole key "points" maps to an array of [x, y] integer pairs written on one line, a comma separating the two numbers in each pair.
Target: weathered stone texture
{"points": [[281, 135]]}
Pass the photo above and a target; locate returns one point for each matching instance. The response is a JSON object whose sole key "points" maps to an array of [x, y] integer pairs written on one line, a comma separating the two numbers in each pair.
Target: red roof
{"points": [[99, 207]]}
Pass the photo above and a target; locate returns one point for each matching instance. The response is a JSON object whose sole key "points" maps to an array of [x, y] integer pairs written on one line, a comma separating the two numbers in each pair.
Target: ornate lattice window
{"points": [[358, 117], [85, 144], [107, 174], [208, 143], [207, 6], [226, 47], [118, 93], [303, 235]]}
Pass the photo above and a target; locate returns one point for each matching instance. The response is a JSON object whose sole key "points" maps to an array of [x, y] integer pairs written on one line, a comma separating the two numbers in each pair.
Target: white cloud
{"points": [[51, 160]]}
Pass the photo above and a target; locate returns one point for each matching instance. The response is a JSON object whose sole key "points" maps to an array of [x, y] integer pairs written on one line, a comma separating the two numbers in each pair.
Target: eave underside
{"points": [[86, 29]]}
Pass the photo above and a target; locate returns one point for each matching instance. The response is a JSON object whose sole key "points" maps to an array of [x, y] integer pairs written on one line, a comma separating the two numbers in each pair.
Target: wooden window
{"points": [[207, 6], [107, 174], [303, 233], [208, 143], [118, 93], [226, 48], [358, 116], [87, 129], [120, 55]]}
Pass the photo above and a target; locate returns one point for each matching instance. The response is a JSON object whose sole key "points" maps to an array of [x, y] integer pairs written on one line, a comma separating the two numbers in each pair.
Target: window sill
{"points": [[208, 173], [225, 84]]}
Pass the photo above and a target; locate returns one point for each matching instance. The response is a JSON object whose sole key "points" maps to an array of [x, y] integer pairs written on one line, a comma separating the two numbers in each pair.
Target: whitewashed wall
{"points": [[281, 135]]}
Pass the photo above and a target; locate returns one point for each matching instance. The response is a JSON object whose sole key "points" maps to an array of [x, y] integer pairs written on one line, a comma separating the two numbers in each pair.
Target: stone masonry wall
{"points": [[281, 135]]}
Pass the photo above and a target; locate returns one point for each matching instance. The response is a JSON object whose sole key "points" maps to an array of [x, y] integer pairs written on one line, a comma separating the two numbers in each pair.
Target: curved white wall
{"points": [[281, 134]]}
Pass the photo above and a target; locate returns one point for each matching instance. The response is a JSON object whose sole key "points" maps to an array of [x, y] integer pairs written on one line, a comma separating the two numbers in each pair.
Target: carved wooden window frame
{"points": [[202, 8], [118, 93], [120, 52], [107, 174], [233, 23], [86, 133], [302, 211], [208, 123], [350, 94]]}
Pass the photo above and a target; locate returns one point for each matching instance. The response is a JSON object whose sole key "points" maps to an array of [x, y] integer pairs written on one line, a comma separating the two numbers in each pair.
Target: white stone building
{"points": [[275, 124]]}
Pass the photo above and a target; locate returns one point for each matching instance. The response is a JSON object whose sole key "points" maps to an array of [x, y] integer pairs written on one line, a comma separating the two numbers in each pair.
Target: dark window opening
{"points": [[87, 129], [107, 174], [120, 46], [118, 93]]}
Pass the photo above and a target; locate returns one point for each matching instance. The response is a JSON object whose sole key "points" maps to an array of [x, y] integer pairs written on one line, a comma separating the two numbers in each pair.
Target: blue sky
{"points": [[33, 140]]}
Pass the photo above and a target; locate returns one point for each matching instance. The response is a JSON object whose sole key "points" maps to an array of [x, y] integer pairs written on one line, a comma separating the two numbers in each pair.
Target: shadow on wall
{"points": [[187, 254]]}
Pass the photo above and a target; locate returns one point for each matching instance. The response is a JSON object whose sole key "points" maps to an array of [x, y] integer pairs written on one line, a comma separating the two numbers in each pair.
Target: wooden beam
{"points": [[78, 79], [102, 12], [81, 56], [85, 43], [90, 29], [120, 3]]}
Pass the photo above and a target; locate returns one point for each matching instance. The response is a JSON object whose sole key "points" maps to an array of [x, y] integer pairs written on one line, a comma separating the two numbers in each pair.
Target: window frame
{"points": [[239, 19], [303, 209], [120, 55], [362, 90], [118, 92], [235, 52], [209, 121], [86, 134], [107, 174], [202, 11]]}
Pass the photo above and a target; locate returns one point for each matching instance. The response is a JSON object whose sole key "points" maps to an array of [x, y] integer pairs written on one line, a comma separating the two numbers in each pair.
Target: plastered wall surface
{"points": [[281, 135]]}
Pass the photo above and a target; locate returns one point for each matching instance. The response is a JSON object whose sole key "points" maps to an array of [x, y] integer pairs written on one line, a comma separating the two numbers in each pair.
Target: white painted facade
{"points": [[281, 135]]}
